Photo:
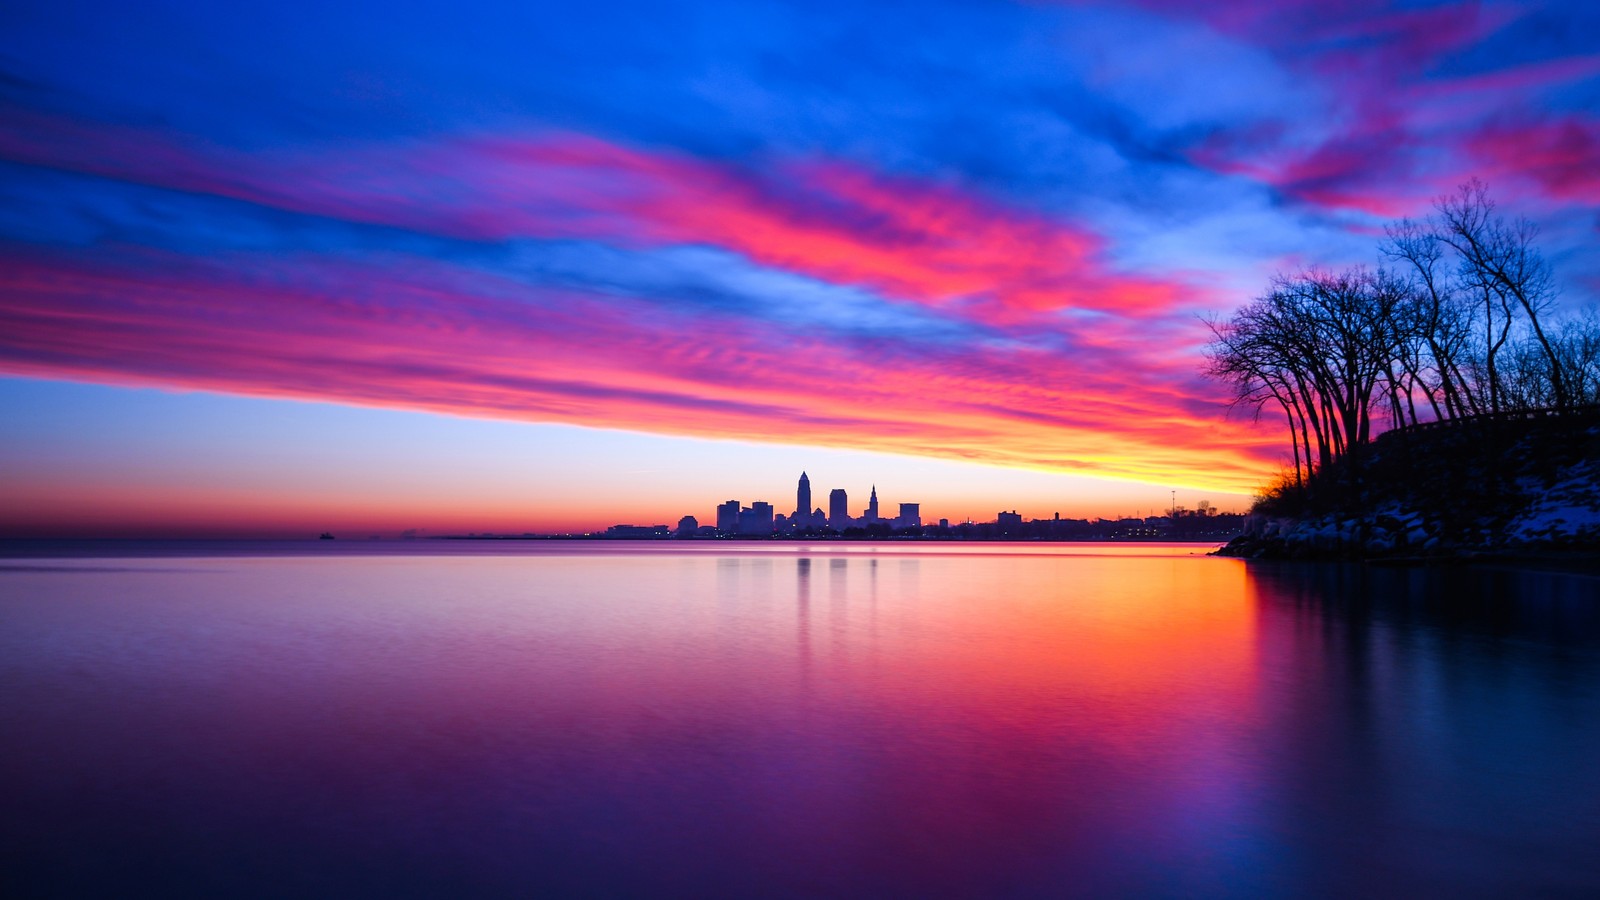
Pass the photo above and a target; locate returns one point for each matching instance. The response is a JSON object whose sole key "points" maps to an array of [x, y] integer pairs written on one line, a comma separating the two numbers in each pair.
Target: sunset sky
{"points": [[270, 269]]}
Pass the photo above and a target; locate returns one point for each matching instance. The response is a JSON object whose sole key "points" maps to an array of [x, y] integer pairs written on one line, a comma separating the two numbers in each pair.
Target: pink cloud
{"points": [[421, 334], [435, 338], [1562, 157], [1395, 132], [911, 240]]}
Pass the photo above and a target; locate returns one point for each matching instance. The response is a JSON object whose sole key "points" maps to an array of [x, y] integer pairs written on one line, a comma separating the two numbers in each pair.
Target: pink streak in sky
{"points": [[1124, 402], [428, 337], [909, 240], [1395, 131]]}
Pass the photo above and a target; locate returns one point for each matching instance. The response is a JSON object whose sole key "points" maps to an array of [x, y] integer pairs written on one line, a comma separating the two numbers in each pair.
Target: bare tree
{"points": [[1238, 356], [1457, 329], [1499, 260], [1319, 344], [1577, 345], [1437, 321]]}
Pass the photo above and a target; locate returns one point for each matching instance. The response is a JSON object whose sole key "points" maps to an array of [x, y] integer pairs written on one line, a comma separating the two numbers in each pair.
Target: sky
{"points": [[271, 269]]}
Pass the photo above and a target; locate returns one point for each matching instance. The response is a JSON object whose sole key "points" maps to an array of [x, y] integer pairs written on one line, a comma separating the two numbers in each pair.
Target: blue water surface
{"points": [[581, 719]]}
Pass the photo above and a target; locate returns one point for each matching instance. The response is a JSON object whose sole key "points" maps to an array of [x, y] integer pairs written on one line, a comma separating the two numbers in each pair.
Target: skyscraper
{"points": [[838, 509], [910, 516], [756, 519], [802, 501], [872, 507], [728, 517]]}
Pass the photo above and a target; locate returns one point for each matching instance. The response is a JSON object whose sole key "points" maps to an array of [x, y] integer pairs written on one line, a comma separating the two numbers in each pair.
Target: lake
{"points": [[780, 719]]}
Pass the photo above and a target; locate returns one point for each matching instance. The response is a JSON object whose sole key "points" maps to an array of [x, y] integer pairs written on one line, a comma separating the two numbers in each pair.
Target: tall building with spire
{"points": [[872, 507], [802, 501]]}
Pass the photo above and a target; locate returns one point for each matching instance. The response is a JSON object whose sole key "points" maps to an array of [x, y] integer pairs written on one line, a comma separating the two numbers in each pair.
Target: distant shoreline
{"points": [[157, 548], [598, 539], [835, 538]]}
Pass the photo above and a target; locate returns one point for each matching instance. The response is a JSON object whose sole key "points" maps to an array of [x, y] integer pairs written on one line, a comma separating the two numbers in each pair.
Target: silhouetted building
{"points": [[910, 515], [1009, 523], [757, 519], [728, 517], [802, 501], [838, 509], [687, 526], [638, 532], [870, 517]]}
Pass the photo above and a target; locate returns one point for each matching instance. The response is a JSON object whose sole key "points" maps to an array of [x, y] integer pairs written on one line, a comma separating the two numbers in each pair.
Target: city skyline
{"points": [[761, 518], [432, 480]]}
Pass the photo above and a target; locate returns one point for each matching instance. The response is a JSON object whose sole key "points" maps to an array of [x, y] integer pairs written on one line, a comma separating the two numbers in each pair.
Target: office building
{"points": [[728, 517], [757, 519], [910, 516]]}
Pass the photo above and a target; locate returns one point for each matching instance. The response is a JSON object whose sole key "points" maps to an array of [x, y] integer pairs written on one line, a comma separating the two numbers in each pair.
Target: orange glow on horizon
{"points": [[995, 411]]}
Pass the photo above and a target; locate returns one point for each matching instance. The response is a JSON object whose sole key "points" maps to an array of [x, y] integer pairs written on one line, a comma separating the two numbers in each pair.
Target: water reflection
{"points": [[802, 568], [964, 724], [838, 609], [1433, 723]]}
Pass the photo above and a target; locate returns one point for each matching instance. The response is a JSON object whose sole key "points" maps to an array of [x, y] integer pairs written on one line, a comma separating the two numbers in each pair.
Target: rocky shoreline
{"points": [[1389, 539], [1560, 526]]}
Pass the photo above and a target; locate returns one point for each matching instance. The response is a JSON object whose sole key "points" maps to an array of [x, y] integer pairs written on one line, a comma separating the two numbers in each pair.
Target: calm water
{"points": [[759, 720]]}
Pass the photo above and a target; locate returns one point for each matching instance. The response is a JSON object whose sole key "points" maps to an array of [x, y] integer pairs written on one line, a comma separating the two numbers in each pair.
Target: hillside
{"points": [[1522, 484]]}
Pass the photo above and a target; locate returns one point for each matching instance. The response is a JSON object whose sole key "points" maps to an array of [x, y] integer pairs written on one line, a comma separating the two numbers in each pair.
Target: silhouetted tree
{"points": [[1320, 344], [1499, 260], [1458, 328], [1578, 348], [1489, 288], [1436, 322]]}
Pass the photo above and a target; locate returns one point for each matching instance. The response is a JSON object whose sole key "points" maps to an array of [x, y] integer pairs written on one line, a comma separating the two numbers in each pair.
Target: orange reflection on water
{"points": [[864, 718], [1155, 644], [1036, 690], [861, 720]]}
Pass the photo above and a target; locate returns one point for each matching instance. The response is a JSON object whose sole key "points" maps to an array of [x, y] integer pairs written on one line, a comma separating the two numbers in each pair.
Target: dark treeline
{"points": [[1459, 320]]}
